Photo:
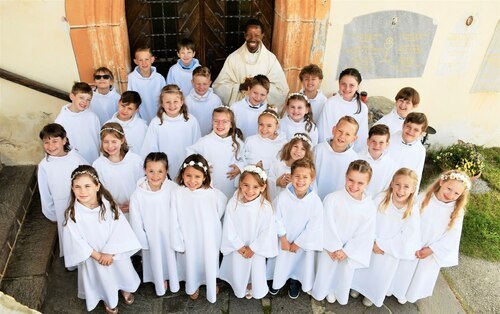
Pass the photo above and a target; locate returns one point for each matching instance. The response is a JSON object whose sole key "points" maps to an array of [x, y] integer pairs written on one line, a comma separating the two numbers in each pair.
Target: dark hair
{"points": [[361, 166], [55, 130], [408, 93], [185, 43], [157, 157], [86, 170], [379, 129], [311, 69], [233, 131], [285, 152], [357, 76], [81, 88], [417, 118], [116, 130], [262, 80], [195, 158], [172, 89], [131, 97], [308, 117], [304, 163], [202, 71], [254, 23]]}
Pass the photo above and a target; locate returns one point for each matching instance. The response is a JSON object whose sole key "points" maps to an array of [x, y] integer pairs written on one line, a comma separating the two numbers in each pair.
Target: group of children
{"points": [[309, 195]]}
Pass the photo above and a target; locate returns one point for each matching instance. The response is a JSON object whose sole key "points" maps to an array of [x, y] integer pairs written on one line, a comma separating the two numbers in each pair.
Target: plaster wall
{"points": [[451, 108], [35, 43]]}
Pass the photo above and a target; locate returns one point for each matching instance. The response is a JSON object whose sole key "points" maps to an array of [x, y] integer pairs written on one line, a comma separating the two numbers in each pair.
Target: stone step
{"points": [[17, 185], [27, 273]]}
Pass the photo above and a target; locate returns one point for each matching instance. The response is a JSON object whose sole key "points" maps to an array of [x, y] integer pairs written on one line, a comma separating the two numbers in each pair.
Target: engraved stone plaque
{"points": [[387, 44]]}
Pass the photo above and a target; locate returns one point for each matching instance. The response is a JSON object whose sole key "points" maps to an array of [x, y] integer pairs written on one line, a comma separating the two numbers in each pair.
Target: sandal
{"points": [[248, 292], [165, 284], [128, 297], [195, 295], [110, 310]]}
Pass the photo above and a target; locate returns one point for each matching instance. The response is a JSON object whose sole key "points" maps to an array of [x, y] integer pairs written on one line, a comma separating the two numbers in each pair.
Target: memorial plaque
{"points": [[488, 78], [387, 44]]}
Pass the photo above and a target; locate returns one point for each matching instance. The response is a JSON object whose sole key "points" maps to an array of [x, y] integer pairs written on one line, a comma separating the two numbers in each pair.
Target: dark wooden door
{"points": [[215, 26]]}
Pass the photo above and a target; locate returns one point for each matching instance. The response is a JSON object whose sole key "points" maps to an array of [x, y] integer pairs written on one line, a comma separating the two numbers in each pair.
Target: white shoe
{"points": [[367, 302], [354, 293], [402, 301], [331, 298]]}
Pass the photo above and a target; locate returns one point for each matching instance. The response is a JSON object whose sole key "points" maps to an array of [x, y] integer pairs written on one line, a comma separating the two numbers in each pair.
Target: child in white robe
{"points": [[223, 149], [407, 99], [397, 237], [105, 98], [172, 130], [181, 72], [299, 220], [195, 227], [349, 232], [201, 100], [54, 175], [441, 218], [334, 156], [297, 117], [82, 125], [265, 146], [347, 102], [118, 168], [149, 218], [248, 236], [298, 147], [128, 117], [311, 76], [248, 110], [98, 239]]}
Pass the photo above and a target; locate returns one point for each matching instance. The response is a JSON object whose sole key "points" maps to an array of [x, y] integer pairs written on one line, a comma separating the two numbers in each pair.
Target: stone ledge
{"points": [[32, 297]]}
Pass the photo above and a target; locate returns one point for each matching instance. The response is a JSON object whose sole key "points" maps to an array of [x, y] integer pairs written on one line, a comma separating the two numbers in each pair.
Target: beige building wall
{"points": [[452, 109], [35, 43]]}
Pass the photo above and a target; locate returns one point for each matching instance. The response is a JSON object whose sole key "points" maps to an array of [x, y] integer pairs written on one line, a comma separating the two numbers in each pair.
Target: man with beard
{"points": [[250, 59]]}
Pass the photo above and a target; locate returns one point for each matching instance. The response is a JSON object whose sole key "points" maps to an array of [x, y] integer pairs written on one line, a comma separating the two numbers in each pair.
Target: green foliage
{"points": [[461, 156]]}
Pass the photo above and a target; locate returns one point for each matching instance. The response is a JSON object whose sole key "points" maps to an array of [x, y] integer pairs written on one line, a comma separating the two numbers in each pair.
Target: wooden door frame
{"points": [[99, 35]]}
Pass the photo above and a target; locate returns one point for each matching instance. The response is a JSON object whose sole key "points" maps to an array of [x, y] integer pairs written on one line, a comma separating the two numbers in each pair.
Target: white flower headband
{"points": [[298, 94], [192, 164], [113, 129], [459, 177], [84, 172], [254, 169], [271, 113], [302, 137], [225, 106]]}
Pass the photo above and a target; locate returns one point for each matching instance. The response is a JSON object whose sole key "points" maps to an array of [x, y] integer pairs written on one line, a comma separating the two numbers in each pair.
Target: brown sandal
{"points": [[110, 310], [195, 295], [128, 297]]}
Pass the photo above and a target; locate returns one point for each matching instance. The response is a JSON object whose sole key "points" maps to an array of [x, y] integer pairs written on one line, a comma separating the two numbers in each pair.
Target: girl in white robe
{"points": [[98, 239], [441, 218], [195, 227], [298, 147], [349, 232], [223, 149], [118, 168], [397, 238], [172, 130], [297, 117], [265, 145], [248, 236], [54, 175], [149, 218], [299, 220]]}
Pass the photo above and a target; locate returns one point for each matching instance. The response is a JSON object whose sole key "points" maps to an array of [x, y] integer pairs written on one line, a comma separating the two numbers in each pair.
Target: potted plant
{"points": [[462, 156]]}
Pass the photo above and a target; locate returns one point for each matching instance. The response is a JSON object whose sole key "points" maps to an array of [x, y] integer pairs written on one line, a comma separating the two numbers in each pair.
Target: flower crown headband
{"points": [[113, 129], [225, 106], [302, 137], [254, 169], [192, 164], [93, 176], [271, 113], [298, 94], [459, 177]]}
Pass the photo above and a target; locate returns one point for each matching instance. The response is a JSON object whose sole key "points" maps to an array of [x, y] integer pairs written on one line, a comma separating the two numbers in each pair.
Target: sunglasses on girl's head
{"points": [[105, 76]]}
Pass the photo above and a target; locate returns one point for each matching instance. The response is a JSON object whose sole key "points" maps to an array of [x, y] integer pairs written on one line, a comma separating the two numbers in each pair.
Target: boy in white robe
{"points": [[407, 100], [105, 98], [332, 157], [147, 82], [127, 116], [82, 125], [310, 77], [181, 72]]}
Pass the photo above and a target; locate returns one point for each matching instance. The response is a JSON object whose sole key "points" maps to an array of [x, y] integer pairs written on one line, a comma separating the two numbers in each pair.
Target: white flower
{"points": [[254, 169]]}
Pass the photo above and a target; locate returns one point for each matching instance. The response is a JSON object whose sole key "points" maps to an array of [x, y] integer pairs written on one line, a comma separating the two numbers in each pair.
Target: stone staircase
{"points": [[27, 238]]}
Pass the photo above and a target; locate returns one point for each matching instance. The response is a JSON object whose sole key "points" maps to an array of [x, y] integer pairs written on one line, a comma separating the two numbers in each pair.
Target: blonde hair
{"points": [[260, 181], [388, 192], [460, 203], [172, 89]]}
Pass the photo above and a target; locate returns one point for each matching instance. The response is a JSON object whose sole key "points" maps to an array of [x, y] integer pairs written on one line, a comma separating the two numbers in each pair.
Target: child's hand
{"points": [[285, 245], [233, 173], [106, 259], [283, 180], [294, 247], [340, 254], [246, 84], [424, 252], [124, 207], [248, 252], [376, 249], [242, 251], [332, 255]]}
